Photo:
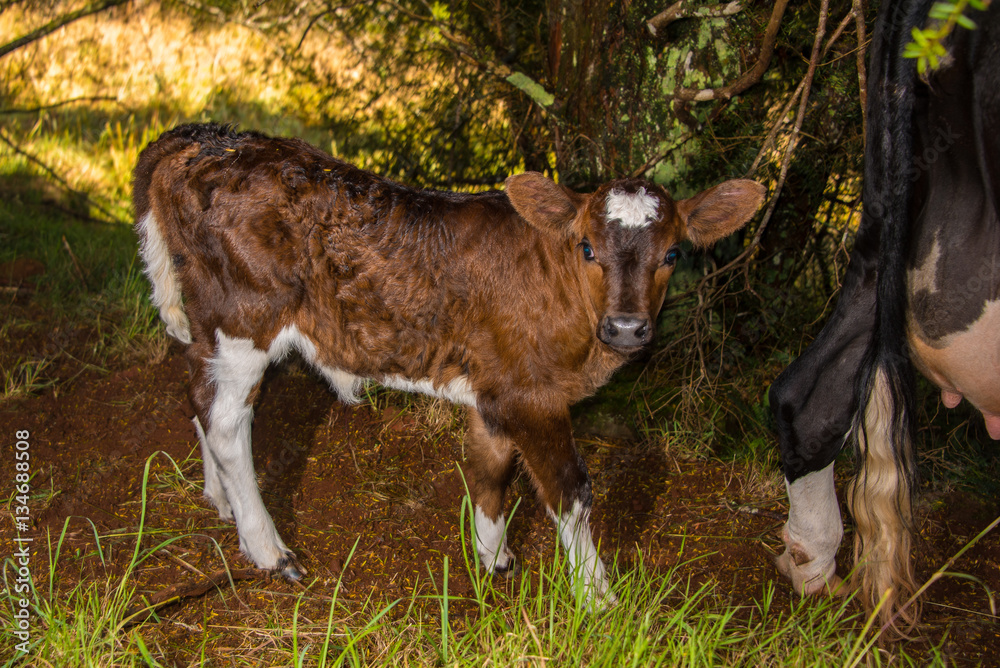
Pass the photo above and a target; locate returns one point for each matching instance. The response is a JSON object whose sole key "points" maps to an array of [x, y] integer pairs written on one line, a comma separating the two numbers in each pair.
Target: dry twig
{"points": [[687, 9], [62, 103], [77, 267], [58, 23], [141, 611]]}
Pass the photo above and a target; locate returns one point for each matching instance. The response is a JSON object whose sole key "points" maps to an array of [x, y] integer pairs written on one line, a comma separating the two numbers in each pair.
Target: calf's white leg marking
{"points": [[345, 384], [214, 491], [813, 532], [458, 391], [491, 542], [235, 370], [230, 481], [584, 562]]}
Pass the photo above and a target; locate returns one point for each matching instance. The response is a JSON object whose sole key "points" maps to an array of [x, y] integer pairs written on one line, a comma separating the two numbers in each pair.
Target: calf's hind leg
{"points": [[223, 386]]}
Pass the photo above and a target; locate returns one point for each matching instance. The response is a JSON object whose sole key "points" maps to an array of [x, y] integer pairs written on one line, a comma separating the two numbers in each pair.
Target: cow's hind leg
{"points": [[490, 469], [813, 405], [224, 384]]}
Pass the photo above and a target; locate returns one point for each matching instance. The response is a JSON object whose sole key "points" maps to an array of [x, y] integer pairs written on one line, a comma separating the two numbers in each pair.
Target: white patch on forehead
{"points": [[636, 209]]}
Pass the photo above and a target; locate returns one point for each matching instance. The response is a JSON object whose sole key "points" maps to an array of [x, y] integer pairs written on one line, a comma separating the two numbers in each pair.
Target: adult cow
{"points": [[515, 304], [922, 286]]}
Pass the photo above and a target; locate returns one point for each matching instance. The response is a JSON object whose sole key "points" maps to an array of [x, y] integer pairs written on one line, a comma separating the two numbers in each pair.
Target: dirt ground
{"points": [[387, 476]]}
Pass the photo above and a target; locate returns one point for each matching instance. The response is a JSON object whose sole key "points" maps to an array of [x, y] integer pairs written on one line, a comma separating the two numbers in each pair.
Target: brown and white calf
{"points": [[515, 304]]}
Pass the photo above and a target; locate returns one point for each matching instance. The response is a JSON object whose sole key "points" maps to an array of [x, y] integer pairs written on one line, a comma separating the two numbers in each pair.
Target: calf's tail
{"points": [[160, 270], [153, 247]]}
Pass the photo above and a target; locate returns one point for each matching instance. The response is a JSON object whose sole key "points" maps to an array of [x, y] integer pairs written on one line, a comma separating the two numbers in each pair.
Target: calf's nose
{"points": [[626, 330]]}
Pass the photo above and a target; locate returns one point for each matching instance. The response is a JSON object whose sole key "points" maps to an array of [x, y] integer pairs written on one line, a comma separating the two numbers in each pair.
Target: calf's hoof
{"points": [[508, 570], [290, 568]]}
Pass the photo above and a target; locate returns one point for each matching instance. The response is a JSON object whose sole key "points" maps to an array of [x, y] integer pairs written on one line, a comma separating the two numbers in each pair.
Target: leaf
{"points": [[966, 22], [440, 12], [532, 88], [919, 37]]}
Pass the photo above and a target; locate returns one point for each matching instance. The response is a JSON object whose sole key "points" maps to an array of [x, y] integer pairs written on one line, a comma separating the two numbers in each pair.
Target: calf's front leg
{"points": [[545, 441], [490, 466]]}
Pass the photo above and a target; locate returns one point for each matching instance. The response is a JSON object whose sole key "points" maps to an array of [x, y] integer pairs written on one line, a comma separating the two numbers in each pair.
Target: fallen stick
{"points": [[140, 611]]}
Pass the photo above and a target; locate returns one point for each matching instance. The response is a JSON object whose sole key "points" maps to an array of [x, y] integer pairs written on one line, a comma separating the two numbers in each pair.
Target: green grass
{"points": [[90, 304], [88, 623], [24, 377], [661, 618]]}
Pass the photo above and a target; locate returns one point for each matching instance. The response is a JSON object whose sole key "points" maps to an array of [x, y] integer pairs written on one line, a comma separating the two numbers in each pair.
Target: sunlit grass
{"points": [[134, 74], [92, 282]]}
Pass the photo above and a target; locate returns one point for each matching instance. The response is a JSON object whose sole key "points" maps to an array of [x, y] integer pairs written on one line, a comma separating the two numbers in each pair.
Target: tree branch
{"points": [[51, 172], [55, 24], [773, 133], [689, 9], [704, 302], [817, 53], [751, 76], [859, 21]]}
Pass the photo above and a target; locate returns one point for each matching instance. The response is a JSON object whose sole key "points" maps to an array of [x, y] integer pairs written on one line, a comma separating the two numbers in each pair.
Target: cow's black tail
{"points": [[883, 429]]}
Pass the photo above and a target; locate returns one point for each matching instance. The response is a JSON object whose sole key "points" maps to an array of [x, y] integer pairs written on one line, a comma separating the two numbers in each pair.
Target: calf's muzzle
{"points": [[625, 330]]}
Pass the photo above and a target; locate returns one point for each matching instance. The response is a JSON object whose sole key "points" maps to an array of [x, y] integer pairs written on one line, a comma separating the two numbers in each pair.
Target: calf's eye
{"points": [[588, 251], [671, 257]]}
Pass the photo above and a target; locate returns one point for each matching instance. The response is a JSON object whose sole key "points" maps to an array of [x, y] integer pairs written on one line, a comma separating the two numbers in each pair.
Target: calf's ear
{"points": [[721, 210], [543, 202]]}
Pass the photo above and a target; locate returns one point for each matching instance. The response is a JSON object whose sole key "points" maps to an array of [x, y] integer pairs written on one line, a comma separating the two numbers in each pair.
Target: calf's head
{"points": [[626, 238]]}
